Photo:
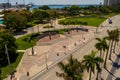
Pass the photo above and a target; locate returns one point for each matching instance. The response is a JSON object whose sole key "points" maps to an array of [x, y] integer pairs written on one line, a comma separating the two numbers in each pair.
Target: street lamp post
{"points": [[32, 51], [6, 51], [46, 60], [96, 30]]}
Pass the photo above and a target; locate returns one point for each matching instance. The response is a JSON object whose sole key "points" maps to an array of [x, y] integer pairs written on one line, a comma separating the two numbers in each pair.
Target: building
{"points": [[5, 5], [111, 2]]}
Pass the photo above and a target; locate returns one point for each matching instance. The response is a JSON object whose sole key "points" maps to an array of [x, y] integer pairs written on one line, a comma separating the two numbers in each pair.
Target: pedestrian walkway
{"points": [[54, 52], [49, 54]]}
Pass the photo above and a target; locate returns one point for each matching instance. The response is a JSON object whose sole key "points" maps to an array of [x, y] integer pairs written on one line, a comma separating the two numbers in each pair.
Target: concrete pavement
{"points": [[35, 64], [35, 67], [50, 74]]}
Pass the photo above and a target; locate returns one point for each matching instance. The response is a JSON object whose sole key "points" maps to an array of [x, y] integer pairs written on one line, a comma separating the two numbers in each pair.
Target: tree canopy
{"points": [[15, 22], [7, 39], [74, 10], [44, 7], [40, 15]]}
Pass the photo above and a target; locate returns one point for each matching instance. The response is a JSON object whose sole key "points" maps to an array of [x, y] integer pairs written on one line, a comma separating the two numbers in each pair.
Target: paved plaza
{"points": [[42, 65], [36, 63]]}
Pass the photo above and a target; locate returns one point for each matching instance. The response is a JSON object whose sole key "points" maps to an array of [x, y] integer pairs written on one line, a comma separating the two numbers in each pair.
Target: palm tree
{"points": [[72, 70], [91, 62], [117, 34], [107, 52], [114, 36], [110, 38], [101, 45]]}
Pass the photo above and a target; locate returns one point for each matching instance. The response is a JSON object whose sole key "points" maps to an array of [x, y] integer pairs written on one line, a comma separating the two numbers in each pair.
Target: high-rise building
{"points": [[111, 2]]}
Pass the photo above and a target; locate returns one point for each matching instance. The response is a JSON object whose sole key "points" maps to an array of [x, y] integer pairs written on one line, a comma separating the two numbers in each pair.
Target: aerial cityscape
{"points": [[60, 40]]}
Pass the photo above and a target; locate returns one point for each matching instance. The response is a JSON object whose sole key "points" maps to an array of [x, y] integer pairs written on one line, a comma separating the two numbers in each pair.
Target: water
{"points": [[60, 6], [1, 21]]}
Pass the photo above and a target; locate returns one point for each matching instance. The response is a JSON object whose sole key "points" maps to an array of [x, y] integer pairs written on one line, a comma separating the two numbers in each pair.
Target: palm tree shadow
{"points": [[110, 73], [118, 55], [116, 64], [111, 60], [117, 78]]}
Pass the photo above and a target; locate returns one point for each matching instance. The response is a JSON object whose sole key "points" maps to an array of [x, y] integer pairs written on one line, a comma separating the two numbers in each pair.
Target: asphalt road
{"points": [[86, 49], [51, 73]]}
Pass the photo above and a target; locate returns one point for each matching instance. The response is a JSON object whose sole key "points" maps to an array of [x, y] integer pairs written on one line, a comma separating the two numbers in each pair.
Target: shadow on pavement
{"points": [[116, 64], [20, 33], [110, 73], [117, 78]]}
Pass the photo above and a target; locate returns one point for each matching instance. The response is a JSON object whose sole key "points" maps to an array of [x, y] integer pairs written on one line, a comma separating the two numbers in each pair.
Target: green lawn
{"points": [[23, 43], [5, 70], [91, 21]]}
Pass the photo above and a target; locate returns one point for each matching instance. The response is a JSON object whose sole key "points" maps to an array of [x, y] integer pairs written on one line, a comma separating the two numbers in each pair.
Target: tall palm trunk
{"points": [[101, 53], [97, 75], [107, 54], [111, 50], [90, 75], [77, 29], [50, 35], [101, 57], [114, 46]]}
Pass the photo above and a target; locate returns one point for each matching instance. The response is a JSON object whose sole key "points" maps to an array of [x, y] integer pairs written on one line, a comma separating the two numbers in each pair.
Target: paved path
{"points": [[32, 63], [86, 49], [50, 74], [37, 66], [39, 28], [113, 69]]}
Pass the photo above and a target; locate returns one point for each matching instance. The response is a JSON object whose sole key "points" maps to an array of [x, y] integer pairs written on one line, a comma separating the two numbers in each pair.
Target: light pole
{"points": [[6, 51], [96, 30], [29, 40], [38, 28], [46, 56]]}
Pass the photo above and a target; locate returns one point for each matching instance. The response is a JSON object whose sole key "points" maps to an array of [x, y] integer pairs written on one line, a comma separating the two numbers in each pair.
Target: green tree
{"points": [[72, 70], [74, 10], [9, 40], [101, 45], [91, 62], [40, 15], [92, 8], [27, 14], [117, 34], [15, 22], [116, 8], [44, 7], [113, 36], [105, 9]]}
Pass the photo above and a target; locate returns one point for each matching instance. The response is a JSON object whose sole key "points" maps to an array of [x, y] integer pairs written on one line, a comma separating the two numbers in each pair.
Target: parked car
{"points": [[110, 21]]}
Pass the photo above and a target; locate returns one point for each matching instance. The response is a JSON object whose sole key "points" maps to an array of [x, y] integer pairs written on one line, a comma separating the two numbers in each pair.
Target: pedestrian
{"points": [[75, 44], [27, 73], [10, 77], [57, 54]]}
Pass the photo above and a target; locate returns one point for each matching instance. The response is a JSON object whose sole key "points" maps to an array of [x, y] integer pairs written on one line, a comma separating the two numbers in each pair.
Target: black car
{"points": [[110, 21]]}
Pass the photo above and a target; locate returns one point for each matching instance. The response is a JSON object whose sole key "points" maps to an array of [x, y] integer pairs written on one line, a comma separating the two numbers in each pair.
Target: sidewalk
{"points": [[36, 64], [113, 70]]}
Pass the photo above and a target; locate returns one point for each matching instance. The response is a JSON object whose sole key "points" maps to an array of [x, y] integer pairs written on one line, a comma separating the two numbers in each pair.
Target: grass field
{"points": [[23, 43], [91, 21], [5, 70]]}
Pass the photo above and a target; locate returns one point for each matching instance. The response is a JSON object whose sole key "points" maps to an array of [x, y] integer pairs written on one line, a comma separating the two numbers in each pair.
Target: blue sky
{"points": [[43, 2]]}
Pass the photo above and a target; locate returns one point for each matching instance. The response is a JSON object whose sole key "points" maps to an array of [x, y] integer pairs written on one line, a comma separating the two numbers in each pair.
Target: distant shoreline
{"points": [[58, 6]]}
